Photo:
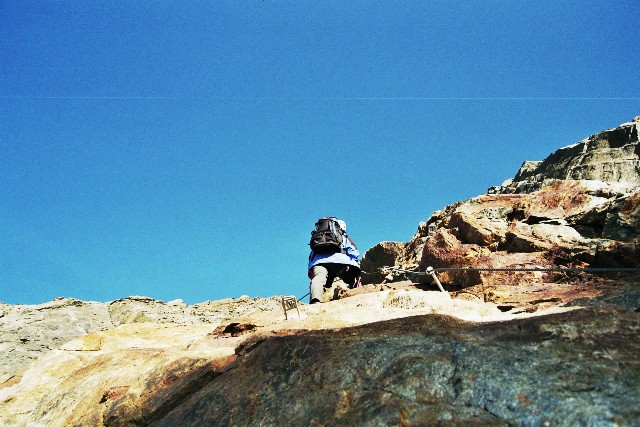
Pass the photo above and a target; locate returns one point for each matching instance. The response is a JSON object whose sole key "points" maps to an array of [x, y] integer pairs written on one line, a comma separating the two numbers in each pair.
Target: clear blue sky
{"points": [[184, 149]]}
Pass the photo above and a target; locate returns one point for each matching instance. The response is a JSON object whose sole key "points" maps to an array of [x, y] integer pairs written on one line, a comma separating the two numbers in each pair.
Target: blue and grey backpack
{"points": [[326, 236]]}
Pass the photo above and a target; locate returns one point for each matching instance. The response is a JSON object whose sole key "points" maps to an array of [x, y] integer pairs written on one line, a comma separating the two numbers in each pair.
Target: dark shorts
{"points": [[347, 273]]}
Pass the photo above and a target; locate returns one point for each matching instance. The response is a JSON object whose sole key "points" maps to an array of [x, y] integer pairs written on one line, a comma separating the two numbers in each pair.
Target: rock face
{"points": [[555, 213], [28, 331], [382, 358], [612, 155], [430, 370]]}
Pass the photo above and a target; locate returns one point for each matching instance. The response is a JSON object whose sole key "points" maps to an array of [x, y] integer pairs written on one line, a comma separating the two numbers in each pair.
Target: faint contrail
{"points": [[336, 98]]}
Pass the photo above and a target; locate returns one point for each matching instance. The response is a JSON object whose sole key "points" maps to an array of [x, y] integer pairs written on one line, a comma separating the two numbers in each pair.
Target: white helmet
{"points": [[342, 224]]}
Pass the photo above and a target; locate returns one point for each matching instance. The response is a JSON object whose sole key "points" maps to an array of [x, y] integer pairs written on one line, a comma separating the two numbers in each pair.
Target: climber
{"points": [[333, 254]]}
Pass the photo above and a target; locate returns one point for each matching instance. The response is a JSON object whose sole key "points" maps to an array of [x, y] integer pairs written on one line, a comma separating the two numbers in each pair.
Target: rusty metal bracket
{"points": [[289, 302]]}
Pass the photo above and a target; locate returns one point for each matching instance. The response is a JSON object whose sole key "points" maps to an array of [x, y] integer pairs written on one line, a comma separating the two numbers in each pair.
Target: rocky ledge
{"points": [[612, 156], [392, 357]]}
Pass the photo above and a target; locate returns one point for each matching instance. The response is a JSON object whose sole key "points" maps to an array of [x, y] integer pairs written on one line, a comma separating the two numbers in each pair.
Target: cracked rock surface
{"points": [[30, 330], [392, 357], [563, 369]]}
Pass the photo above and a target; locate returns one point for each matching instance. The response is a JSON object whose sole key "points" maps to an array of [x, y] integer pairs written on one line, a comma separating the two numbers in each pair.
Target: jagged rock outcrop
{"points": [[554, 213], [610, 156]]}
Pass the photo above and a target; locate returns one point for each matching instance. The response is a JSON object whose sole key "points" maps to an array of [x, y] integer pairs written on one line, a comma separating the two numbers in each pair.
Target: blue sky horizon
{"points": [[184, 150]]}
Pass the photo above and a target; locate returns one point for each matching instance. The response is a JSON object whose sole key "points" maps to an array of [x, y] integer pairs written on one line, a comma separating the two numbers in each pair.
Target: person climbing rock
{"points": [[333, 254]]}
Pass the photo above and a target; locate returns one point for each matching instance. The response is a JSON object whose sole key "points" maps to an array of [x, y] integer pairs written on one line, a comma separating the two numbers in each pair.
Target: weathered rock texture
{"points": [[28, 331], [431, 370], [578, 208], [383, 358], [612, 155]]}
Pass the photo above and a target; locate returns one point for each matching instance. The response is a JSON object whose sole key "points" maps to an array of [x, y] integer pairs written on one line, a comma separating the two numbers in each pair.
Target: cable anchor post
{"points": [[432, 273], [289, 302]]}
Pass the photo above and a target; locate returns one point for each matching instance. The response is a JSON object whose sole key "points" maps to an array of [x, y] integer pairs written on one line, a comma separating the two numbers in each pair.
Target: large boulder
{"points": [[384, 254], [560, 370]]}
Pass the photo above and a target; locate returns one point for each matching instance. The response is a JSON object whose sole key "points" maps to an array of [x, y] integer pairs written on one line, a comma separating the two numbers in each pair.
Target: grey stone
{"points": [[564, 370], [29, 331]]}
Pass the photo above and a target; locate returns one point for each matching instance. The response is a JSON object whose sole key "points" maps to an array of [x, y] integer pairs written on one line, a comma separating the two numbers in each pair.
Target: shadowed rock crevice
{"points": [[175, 387], [166, 388]]}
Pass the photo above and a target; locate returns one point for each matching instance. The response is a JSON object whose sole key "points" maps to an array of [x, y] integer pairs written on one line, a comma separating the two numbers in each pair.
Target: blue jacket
{"points": [[348, 256]]}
